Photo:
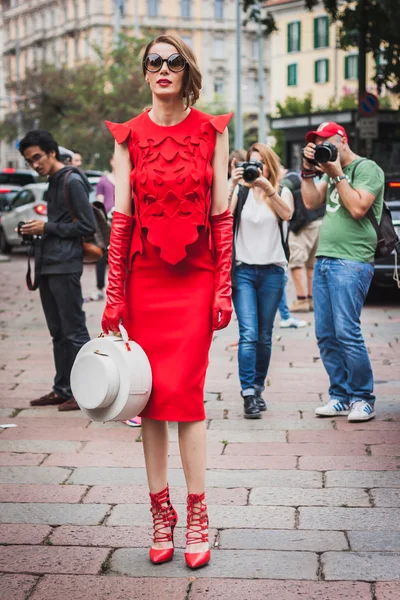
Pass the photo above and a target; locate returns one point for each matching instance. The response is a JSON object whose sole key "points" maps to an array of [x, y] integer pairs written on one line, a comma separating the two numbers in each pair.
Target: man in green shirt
{"points": [[350, 186]]}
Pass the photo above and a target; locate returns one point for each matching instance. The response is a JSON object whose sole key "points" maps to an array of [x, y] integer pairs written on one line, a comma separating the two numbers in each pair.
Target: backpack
{"points": [[301, 215], [96, 244], [242, 197]]}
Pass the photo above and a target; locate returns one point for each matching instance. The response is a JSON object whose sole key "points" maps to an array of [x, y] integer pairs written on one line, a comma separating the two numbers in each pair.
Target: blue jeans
{"points": [[339, 289], [283, 305], [256, 298]]}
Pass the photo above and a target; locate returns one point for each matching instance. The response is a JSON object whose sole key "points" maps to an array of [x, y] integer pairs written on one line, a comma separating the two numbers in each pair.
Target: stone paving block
{"points": [[23, 534], [117, 537], [100, 460], [126, 494], [41, 493], [344, 425], [236, 589], [390, 590], [264, 435], [78, 587], [49, 559], [361, 566], [15, 459], [386, 449], [114, 447], [267, 424], [41, 446], [251, 462], [53, 514], [293, 449], [345, 437], [221, 517], [355, 519], [6, 412], [308, 497], [69, 433], [264, 539], [374, 541], [215, 478], [363, 479], [27, 475], [389, 498], [349, 463], [16, 587], [49, 411], [243, 564]]}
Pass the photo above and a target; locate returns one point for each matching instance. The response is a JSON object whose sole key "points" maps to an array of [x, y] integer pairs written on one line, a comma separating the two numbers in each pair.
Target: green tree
{"points": [[293, 106], [73, 103]]}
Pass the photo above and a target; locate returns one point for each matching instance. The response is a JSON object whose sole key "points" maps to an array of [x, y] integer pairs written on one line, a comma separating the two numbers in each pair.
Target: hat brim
{"points": [[126, 405], [311, 135]]}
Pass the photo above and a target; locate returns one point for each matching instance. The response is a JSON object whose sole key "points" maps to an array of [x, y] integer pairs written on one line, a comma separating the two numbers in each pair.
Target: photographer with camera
{"points": [[259, 264], [70, 218], [351, 187]]}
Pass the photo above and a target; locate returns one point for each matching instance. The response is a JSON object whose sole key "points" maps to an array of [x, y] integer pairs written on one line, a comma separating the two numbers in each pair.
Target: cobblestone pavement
{"points": [[300, 508]]}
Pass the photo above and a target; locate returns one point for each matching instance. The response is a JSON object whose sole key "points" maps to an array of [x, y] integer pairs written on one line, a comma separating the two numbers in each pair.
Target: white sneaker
{"points": [[333, 408], [361, 411], [292, 323], [97, 295]]}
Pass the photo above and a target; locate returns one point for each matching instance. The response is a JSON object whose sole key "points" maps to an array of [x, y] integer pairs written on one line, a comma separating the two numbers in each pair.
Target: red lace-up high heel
{"points": [[197, 530], [164, 518]]}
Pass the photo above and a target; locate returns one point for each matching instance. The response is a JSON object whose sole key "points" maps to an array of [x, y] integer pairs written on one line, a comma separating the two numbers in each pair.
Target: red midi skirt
{"points": [[169, 314]]}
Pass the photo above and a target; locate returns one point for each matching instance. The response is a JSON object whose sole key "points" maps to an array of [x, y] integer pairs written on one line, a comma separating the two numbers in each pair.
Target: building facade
{"points": [[305, 57], [64, 31]]}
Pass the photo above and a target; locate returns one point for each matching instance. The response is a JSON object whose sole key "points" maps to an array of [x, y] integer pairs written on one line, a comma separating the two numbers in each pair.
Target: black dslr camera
{"points": [[251, 170], [25, 238], [324, 153]]}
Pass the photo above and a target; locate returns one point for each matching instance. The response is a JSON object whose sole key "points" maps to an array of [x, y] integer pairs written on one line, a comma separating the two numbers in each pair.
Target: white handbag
{"points": [[111, 378]]}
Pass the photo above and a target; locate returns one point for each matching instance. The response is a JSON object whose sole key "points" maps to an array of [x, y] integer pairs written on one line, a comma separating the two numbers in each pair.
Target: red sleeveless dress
{"points": [[170, 286]]}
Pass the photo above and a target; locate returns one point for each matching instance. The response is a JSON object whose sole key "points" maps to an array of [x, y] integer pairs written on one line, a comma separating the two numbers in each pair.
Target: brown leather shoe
{"points": [[300, 306], [70, 404], [51, 399]]}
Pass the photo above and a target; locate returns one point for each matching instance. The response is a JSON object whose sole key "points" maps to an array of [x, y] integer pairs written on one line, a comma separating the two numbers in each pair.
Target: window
{"points": [[218, 48], [351, 67], [187, 39], [292, 75], [218, 85], [23, 198], [186, 9], [321, 32], [254, 48], [76, 48], [294, 34], [153, 8], [321, 71], [87, 7], [219, 9], [251, 90]]}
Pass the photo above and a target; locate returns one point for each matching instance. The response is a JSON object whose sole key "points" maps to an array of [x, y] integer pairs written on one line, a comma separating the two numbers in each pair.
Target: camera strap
{"points": [[35, 250]]}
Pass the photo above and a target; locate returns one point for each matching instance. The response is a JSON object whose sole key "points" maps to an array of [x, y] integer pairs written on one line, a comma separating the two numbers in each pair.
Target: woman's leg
{"points": [[155, 447], [193, 448], [269, 294]]}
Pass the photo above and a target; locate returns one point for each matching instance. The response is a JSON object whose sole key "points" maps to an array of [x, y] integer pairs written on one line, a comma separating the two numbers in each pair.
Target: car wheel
{"points": [[5, 247]]}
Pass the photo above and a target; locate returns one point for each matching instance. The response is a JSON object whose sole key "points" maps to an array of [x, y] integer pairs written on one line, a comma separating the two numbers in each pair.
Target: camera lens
{"points": [[323, 154], [250, 174]]}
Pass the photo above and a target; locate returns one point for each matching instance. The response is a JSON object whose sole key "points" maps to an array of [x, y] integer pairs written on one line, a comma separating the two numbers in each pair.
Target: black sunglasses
{"points": [[154, 63]]}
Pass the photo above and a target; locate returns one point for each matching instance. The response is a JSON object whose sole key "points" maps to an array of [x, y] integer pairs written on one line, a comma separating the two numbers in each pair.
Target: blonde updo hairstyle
{"points": [[192, 79]]}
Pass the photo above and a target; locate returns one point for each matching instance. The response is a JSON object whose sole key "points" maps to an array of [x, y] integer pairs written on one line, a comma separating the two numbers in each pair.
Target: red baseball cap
{"points": [[327, 130]]}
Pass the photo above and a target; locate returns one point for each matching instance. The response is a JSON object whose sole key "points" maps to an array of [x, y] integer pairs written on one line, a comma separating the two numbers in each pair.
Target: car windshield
{"points": [[6, 198], [16, 178], [392, 191]]}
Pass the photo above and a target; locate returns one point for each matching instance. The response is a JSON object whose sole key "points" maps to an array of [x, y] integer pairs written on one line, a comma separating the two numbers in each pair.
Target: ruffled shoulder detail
{"points": [[220, 122], [120, 131]]}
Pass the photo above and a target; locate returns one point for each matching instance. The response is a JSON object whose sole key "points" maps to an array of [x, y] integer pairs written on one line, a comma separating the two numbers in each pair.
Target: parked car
{"points": [[392, 189], [384, 267], [28, 204], [7, 195], [19, 177]]}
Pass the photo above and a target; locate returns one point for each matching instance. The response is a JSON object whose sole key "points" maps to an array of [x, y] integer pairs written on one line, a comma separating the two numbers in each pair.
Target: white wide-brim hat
{"points": [[111, 378]]}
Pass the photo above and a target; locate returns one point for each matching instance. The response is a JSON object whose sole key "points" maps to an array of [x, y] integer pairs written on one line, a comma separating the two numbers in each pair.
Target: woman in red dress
{"points": [[169, 280]]}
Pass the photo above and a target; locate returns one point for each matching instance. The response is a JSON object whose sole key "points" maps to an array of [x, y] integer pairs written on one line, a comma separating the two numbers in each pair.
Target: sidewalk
{"points": [[300, 508]]}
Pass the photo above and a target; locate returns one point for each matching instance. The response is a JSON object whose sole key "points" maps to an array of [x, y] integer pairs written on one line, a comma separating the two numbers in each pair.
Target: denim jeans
{"points": [[61, 297], [256, 298], [339, 289], [283, 305]]}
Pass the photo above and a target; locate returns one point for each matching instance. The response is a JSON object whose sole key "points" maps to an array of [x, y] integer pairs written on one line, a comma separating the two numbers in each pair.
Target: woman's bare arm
{"points": [[123, 190], [219, 190]]}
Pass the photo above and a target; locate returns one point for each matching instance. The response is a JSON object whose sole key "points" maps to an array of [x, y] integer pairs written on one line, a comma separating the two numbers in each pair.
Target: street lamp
{"points": [[238, 113]]}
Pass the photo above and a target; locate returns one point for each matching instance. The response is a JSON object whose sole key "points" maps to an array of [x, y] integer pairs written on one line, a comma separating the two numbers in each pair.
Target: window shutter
{"points": [[289, 45], [327, 69], [294, 74], [326, 21], [299, 27], [316, 71], [315, 33], [346, 67]]}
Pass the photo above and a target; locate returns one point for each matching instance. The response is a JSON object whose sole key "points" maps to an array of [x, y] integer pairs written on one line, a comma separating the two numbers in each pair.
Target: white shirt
{"points": [[258, 240]]}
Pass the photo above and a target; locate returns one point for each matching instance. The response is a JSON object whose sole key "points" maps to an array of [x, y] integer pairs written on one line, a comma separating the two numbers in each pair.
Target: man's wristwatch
{"points": [[339, 178]]}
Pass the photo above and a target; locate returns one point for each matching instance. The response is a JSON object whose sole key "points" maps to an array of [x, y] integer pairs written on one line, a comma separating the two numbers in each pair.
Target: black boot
{"points": [[262, 405], [251, 409]]}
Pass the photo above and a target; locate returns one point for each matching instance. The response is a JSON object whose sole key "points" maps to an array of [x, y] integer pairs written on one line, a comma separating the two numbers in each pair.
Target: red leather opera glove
{"points": [[222, 236], [121, 233]]}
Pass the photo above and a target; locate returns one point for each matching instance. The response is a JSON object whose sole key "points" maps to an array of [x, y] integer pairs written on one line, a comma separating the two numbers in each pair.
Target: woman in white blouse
{"points": [[260, 263]]}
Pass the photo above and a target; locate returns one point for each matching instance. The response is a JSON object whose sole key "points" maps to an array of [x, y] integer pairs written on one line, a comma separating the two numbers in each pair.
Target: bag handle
{"points": [[36, 251]]}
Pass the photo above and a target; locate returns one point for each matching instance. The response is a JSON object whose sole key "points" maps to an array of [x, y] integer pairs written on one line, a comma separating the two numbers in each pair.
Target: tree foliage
{"points": [[72, 103]]}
